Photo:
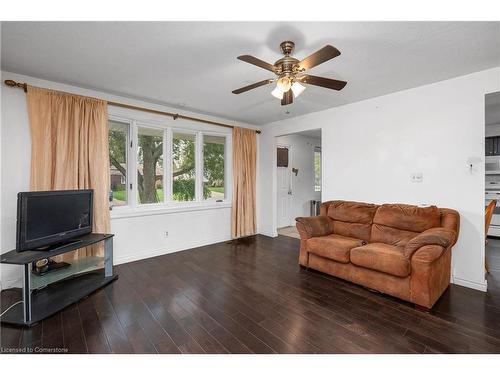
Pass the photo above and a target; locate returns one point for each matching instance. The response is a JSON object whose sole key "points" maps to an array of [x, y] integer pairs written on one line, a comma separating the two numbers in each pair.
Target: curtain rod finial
{"points": [[12, 83]]}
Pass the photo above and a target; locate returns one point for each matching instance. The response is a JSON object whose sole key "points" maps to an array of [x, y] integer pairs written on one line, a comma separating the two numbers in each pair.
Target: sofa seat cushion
{"points": [[334, 246], [381, 257]]}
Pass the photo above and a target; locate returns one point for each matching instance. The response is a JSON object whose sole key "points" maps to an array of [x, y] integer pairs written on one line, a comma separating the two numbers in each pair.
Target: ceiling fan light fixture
{"points": [[289, 73], [277, 93], [284, 83], [297, 89]]}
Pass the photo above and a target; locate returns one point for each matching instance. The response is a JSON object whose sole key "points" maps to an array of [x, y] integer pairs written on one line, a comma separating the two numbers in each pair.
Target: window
{"points": [[317, 169], [183, 167], [152, 164], [213, 167], [149, 165], [118, 139]]}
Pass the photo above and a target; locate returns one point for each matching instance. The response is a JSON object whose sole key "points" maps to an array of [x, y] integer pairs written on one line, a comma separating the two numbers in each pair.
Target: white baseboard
{"points": [[483, 287], [268, 233], [172, 249]]}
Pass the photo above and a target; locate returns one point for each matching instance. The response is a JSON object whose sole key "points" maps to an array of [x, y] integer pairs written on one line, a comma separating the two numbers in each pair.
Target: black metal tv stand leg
{"points": [[108, 257], [27, 293]]}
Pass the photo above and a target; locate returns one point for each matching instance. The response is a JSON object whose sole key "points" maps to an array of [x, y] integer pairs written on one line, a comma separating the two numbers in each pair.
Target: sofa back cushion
{"points": [[396, 224], [352, 219]]}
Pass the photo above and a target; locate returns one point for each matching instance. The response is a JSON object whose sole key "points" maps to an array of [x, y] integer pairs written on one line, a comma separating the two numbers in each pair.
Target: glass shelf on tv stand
{"points": [[77, 266]]}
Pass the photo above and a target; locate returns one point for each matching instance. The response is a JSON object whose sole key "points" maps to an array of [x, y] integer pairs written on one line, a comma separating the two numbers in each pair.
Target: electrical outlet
{"points": [[416, 177], [165, 234]]}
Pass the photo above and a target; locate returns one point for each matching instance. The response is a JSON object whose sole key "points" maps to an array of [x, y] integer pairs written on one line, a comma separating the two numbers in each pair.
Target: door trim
{"points": [[290, 159]]}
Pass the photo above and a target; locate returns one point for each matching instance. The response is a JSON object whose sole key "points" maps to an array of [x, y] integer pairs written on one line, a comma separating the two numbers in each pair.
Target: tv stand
{"points": [[47, 294]]}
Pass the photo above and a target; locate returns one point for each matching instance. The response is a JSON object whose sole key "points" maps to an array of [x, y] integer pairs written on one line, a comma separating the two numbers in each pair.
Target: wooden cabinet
{"points": [[492, 146]]}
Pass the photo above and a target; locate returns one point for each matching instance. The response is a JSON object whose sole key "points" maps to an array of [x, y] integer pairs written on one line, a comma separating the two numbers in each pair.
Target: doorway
{"points": [[284, 184], [492, 191], [298, 178]]}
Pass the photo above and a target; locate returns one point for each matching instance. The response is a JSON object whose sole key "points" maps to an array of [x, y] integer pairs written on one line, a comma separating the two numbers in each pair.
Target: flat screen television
{"points": [[46, 218]]}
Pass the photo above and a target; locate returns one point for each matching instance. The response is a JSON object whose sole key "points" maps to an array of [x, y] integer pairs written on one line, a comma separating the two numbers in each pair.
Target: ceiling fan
{"points": [[290, 72]]}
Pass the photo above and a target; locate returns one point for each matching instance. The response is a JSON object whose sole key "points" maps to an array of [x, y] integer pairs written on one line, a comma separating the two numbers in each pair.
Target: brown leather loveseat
{"points": [[397, 249]]}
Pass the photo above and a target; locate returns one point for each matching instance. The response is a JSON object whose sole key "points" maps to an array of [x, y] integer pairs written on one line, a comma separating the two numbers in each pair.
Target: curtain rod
{"points": [[175, 116]]}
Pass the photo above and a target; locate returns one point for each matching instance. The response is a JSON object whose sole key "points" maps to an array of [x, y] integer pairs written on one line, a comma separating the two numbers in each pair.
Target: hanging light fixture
{"points": [[277, 93], [297, 89], [287, 84], [284, 83]]}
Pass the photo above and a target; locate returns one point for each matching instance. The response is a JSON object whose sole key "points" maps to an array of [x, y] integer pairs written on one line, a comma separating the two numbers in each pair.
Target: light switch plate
{"points": [[416, 177]]}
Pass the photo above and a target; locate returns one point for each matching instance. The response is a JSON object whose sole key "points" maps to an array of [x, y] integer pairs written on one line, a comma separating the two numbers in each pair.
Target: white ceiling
{"points": [[193, 65]]}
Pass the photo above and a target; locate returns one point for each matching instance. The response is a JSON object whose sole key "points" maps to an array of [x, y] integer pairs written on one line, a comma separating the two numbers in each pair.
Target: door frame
{"points": [[290, 157]]}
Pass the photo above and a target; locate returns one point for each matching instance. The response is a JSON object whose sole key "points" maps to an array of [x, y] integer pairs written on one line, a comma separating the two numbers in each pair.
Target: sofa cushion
{"points": [[352, 212], [408, 217], [381, 257], [396, 224], [334, 247], [354, 230], [391, 236], [352, 219]]}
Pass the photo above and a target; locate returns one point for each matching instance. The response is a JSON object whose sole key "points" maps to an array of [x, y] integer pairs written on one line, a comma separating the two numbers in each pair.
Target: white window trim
{"points": [[133, 208], [227, 165], [129, 176], [163, 209], [146, 125], [196, 164]]}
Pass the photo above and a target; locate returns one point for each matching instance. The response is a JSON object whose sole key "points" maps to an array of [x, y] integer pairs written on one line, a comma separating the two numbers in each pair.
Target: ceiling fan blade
{"points": [[258, 62], [287, 98], [328, 83], [324, 54], [252, 86]]}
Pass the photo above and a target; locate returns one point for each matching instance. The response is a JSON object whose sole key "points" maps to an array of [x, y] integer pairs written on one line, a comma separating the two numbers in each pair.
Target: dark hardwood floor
{"points": [[250, 296]]}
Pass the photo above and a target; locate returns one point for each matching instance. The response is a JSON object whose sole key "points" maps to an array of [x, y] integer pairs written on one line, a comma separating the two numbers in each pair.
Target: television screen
{"points": [[50, 217]]}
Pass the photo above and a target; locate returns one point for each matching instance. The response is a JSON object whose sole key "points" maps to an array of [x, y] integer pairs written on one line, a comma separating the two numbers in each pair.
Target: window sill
{"points": [[126, 212]]}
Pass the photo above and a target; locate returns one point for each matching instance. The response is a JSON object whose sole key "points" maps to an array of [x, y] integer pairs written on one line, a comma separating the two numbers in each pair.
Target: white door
{"points": [[284, 197]]}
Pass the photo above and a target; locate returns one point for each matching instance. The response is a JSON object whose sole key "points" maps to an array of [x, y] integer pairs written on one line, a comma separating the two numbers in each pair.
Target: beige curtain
{"points": [[69, 150], [243, 220]]}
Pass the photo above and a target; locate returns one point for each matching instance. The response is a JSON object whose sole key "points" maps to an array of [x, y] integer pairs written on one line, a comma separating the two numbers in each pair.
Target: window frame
{"points": [[135, 142], [196, 164], [132, 206], [129, 176], [226, 164]]}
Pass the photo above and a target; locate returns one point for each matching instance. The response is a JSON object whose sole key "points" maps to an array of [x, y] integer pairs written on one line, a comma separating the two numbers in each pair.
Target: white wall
{"points": [[302, 157], [371, 147], [136, 237]]}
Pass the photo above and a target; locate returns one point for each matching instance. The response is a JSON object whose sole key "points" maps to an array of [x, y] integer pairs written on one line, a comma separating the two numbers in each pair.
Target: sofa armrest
{"points": [[441, 237], [314, 226], [430, 274], [427, 254]]}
